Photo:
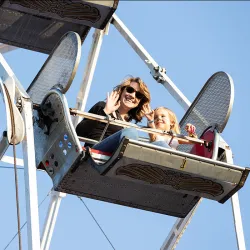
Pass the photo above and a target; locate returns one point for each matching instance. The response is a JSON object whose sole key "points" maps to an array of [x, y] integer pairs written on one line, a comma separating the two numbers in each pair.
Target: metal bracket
{"points": [[157, 74], [19, 104], [45, 112]]}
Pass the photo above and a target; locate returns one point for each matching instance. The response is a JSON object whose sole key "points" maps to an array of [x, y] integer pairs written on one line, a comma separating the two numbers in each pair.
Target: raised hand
{"points": [[112, 103], [190, 128], [148, 112]]}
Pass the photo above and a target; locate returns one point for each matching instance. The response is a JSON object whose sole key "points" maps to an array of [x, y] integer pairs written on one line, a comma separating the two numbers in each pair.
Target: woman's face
{"points": [[161, 119], [131, 96]]}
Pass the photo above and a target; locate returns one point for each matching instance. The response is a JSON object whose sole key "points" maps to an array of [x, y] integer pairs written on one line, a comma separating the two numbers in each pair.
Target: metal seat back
{"points": [[212, 106], [59, 69]]}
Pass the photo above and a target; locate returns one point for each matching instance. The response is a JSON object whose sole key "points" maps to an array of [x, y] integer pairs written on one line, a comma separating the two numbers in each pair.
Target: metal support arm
{"points": [[236, 211], [89, 72], [55, 200], [178, 230], [157, 72], [30, 179]]}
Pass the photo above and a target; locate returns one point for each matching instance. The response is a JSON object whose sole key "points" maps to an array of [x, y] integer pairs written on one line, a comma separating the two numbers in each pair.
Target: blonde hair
{"points": [[173, 120], [135, 113]]}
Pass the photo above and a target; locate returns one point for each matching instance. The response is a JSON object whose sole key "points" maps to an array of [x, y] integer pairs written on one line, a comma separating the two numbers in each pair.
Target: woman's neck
{"points": [[123, 112]]}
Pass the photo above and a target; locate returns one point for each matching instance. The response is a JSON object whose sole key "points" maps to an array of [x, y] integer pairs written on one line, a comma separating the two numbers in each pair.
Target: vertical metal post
{"points": [[236, 211], [30, 178], [238, 222], [83, 93], [50, 221]]}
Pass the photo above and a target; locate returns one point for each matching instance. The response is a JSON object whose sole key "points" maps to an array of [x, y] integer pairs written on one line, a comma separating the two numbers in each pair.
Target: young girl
{"points": [[164, 119]]}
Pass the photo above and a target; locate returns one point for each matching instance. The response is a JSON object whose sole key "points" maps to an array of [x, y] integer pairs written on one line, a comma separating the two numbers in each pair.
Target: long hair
{"points": [[135, 113], [173, 120]]}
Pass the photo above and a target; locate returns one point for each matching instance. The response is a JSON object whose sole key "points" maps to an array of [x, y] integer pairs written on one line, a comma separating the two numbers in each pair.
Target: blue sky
{"points": [[192, 40]]}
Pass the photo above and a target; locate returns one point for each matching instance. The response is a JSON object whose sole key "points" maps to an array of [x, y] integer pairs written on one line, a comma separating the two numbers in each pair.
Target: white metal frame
{"points": [[10, 160], [157, 72], [50, 221], [28, 147], [83, 93], [32, 215], [178, 229], [238, 225]]}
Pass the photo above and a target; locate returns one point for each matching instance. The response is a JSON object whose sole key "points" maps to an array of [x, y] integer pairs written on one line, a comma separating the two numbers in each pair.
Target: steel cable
{"points": [[96, 222], [25, 223], [13, 137]]}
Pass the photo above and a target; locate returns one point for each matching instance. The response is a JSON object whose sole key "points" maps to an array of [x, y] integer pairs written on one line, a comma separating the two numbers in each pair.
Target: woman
{"points": [[126, 103]]}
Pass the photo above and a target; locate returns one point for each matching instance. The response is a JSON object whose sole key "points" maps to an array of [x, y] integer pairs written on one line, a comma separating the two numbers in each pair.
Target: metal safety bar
{"points": [[124, 124]]}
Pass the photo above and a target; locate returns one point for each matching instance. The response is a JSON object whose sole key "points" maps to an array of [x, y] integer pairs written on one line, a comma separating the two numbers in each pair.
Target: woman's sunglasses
{"points": [[131, 90]]}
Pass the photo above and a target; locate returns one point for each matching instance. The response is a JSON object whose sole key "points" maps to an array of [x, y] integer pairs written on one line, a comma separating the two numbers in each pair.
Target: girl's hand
{"points": [[148, 112], [112, 103], [190, 128]]}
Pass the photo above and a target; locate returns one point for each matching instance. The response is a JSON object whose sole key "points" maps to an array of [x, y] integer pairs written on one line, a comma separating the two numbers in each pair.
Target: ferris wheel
{"points": [[137, 174]]}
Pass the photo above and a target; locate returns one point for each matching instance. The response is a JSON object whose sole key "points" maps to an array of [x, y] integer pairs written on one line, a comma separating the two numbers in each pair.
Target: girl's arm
{"points": [[190, 128]]}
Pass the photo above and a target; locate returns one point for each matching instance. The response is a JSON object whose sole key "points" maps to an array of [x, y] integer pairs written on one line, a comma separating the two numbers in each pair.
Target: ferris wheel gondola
{"points": [[138, 174]]}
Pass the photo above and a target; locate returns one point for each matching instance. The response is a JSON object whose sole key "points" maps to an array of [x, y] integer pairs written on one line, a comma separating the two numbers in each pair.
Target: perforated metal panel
{"points": [[34, 32], [59, 69], [87, 182], [212, 106], [153, 178], [90, 13], [39, 24]]}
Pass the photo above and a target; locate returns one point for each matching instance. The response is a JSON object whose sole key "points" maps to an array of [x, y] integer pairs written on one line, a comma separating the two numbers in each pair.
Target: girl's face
{"points": [[162, 120], [131, 96]]}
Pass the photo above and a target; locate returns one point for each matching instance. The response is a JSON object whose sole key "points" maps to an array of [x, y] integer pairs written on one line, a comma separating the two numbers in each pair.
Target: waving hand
{"points": [[112, 103]]}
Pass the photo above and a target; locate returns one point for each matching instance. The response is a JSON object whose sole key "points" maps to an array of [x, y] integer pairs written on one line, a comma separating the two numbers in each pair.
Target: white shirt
{"points": [[174, 143]]}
